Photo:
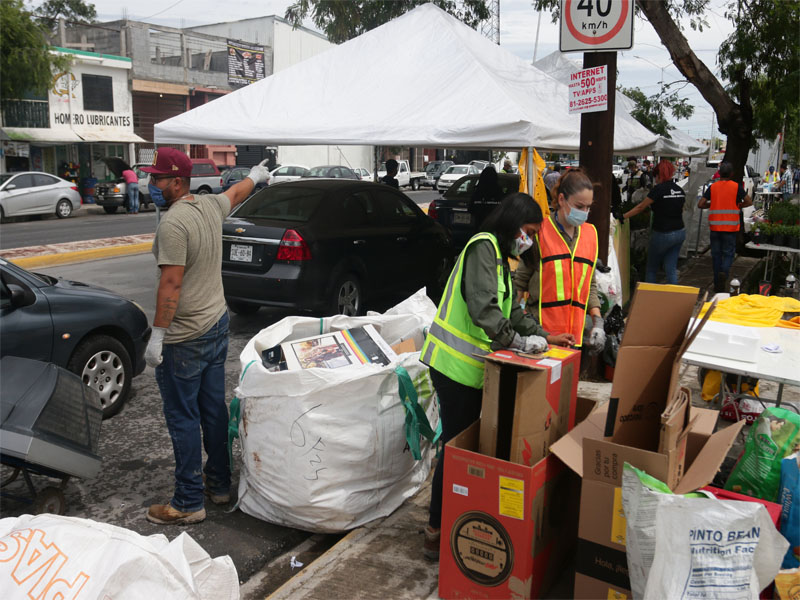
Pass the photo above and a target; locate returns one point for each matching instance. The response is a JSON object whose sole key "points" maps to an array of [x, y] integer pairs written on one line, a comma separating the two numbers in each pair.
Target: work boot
{"points": [[430, 547], [217, 498], [165, 514]]}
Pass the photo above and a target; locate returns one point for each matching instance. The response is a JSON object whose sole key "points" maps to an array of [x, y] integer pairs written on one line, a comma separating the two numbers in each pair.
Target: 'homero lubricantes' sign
{"points": [[588, 25]]}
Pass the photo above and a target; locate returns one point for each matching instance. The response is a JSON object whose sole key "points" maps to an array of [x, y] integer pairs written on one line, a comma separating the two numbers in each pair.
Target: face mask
{"points": [[156, 195], [522, 243], [576, 217]]}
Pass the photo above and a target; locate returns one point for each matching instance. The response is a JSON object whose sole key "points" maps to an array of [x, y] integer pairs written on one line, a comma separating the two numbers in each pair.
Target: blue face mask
{"points": [[576, 217], [156, 195]]}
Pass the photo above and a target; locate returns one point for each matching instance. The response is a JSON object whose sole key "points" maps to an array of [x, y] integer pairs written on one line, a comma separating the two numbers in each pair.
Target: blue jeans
{"points": [[723, 249], [664, 249], [133, 197], [192, 383]]}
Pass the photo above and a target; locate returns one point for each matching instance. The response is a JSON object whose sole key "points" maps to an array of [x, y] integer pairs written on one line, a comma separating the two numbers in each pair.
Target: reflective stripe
{"points": [[559, 268], [712, 223], [583, 278], [426, 358], [445, 303], [723, 212], [456, 343]]}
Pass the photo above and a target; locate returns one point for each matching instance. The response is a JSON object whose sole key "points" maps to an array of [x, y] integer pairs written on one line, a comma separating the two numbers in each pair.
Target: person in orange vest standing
{"points": [[561, 266], [725, 199]]}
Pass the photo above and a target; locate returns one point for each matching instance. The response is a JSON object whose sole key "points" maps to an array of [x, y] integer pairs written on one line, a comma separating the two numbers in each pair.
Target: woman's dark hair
{"points": [[487, 187], [571, 182], [509, 216]]}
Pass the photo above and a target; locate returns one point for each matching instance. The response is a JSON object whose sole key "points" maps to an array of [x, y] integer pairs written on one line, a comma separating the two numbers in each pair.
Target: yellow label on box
{"points": [[558, 353], [618, 521], [615, 595], [512, 498]]}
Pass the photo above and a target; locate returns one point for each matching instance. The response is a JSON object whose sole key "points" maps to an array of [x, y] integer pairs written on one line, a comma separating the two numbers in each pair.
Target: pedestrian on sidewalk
{"points": [[132, 190], [725, 198], [189, 342], [391, 170], [785, 183], [477, 315], [668, 233]]}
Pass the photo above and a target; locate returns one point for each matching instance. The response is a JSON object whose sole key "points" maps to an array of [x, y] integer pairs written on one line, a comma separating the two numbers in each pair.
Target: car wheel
{"points": [[203, 191], [415, 184], [110, 209], [242, 308], [346, 296], [103, 363], [63, 209]]}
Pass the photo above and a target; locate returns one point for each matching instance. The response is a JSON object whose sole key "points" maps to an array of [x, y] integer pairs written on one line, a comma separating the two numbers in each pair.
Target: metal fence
{"points": [[26, 113]]}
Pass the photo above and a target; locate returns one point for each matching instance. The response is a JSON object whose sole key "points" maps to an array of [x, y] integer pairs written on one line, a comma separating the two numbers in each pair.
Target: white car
{"points": [[363, 173], [36, 193], [452, 174], [287, 173], [618, 171]]}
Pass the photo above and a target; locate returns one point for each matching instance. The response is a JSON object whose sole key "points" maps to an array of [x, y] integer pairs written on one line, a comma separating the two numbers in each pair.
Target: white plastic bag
{"points": [[324, 449], [50, 556], [679, 547]]}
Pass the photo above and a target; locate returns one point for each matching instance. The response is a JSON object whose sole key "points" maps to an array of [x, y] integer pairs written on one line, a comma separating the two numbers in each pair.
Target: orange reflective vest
{"points": [[724, 212], [565, 278]]}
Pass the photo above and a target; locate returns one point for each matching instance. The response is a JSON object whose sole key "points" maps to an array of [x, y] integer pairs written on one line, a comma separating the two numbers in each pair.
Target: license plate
{"points": [[462, 218], [241, 253]]}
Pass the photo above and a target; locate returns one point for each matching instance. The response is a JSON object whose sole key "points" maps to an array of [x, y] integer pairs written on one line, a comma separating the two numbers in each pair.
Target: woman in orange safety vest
{"points": [[564, 260]]}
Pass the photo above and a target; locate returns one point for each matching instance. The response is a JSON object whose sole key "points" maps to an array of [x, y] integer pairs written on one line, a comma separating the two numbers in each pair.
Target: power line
{"points": [[163, 11]]}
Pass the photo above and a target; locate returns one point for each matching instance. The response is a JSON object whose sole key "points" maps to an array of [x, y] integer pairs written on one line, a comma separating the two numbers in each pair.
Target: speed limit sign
{"points": [[588, 25]]}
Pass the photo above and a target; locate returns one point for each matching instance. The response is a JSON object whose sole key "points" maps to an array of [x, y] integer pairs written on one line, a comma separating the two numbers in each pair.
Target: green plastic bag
{"points": [[416, 423], [774, 436]]}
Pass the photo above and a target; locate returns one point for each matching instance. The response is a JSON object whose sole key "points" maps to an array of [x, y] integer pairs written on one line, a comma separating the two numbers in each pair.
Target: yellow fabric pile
{"points": [[754, 310]]}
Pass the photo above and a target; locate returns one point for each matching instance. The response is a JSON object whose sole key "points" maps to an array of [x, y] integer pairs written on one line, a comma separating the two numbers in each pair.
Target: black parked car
{"points": [[234, 175], [452, 209], [330, 247], [95, 333], [332, 172]]}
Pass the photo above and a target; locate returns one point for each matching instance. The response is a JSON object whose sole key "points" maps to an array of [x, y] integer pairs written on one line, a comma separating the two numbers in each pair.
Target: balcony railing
{"points": [[26, 113]]}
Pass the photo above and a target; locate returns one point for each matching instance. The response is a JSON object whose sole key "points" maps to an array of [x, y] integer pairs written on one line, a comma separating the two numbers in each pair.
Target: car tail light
{"points": [[293, 247], [433, 211], [220, 182], [116, 190], [74, 187]]}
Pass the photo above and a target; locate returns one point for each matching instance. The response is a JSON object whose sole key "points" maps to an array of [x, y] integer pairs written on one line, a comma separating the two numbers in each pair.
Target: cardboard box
{"points": [[506, 527], [528, 403], [601, 564], [647, 408]]}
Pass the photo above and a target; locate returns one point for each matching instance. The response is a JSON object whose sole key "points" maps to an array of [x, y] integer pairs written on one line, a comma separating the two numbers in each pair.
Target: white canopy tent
{"points": [[678, 143], [423, 79]]}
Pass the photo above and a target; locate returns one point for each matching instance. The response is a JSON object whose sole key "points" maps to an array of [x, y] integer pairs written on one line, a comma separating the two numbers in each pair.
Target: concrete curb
{"points": [[65, 258]]}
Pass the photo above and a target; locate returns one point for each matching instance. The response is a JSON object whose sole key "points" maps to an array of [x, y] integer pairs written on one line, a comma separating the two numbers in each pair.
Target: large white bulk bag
{"points": [[325, 450]]}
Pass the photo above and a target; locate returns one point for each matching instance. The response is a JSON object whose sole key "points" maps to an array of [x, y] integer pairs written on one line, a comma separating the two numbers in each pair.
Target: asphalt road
{"points": [[137, 454], [91, 222]]}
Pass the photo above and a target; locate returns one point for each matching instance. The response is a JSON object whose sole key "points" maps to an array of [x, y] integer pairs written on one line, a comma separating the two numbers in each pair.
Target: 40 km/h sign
{"points": [[588, 25]]}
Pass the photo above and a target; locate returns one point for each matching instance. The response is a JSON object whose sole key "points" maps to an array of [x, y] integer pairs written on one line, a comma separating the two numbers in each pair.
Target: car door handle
{"points": [[402, 239], [359, 242]]}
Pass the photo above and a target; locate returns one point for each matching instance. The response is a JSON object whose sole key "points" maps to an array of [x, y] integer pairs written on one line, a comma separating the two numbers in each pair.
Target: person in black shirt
{"points": [[485, 197], [668, 233], [391, 171]]}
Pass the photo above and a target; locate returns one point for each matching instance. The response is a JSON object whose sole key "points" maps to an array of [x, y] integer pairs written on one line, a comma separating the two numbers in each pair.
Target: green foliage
{"points": [[650, 111], [26, 64], [341, 21], [784, 213], [71, 10]]}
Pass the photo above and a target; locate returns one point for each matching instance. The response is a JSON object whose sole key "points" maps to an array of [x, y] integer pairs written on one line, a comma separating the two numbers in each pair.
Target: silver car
{"points": [[35, 193]]}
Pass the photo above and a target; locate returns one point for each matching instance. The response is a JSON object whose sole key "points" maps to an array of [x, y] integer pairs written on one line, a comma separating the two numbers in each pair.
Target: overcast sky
{"points": [[640, 67]]}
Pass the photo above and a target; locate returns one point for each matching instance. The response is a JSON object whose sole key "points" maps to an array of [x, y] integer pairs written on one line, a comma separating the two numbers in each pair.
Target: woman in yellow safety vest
{"points": [[477, 315], [558, 272]]}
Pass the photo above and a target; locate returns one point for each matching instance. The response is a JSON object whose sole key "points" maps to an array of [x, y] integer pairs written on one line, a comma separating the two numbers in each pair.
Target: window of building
{"points": [[98, 92]]}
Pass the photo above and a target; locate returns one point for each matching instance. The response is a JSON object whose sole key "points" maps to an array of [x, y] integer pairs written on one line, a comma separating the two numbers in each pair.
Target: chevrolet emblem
{"points": [[239, 230]]}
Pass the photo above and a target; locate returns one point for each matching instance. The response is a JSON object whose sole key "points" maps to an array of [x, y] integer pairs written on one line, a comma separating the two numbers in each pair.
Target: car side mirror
{"points": [[20, 296], [11, 186]]}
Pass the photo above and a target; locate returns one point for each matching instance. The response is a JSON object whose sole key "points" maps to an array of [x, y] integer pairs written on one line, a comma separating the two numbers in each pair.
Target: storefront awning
{"points": [[102, 134], [41, 135]]}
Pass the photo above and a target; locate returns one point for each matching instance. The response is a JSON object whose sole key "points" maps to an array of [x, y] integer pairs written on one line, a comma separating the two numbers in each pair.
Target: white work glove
{"points": [[597, 338], [529, 344], [152, 354], [258, 174]]}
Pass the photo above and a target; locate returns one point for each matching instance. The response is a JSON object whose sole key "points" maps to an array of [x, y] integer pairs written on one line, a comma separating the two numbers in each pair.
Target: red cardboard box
{"points": [[509, 508], [506, 528]]}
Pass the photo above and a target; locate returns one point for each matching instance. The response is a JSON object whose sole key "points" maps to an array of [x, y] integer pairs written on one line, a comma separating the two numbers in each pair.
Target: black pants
{"points": [[460, 406]]}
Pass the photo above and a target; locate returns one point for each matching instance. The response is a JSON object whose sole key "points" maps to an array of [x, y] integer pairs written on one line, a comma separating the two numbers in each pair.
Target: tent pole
{"points": [[375, 150]]}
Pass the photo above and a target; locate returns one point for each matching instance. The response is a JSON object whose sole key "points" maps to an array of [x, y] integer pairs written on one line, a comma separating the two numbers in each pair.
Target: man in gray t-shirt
{"points": [[189, 342]]}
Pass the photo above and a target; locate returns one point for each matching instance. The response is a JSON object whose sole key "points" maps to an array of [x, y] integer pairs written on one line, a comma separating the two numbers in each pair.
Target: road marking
{"points": [[64, 258]]}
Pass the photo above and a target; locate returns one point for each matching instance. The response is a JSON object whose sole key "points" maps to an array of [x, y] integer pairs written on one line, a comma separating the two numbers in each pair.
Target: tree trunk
{"points": [[735, 120]]}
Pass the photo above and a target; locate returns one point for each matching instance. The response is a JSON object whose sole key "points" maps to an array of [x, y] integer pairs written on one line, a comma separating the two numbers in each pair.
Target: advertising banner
{"points": [[588, 90], [245, 63]]}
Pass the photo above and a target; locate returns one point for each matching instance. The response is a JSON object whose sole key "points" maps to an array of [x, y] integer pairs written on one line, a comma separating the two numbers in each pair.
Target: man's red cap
{"points": [[170, 161]]}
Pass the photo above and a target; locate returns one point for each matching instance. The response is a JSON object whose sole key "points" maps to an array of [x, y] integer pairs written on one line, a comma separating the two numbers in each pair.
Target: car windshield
{"points": [[457, 171], [432, 167], [5, 177], [283, 203]]}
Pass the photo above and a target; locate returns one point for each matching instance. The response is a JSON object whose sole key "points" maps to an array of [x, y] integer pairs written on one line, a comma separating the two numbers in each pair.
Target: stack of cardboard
{"points": [[508, 505], [648, 422]]}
